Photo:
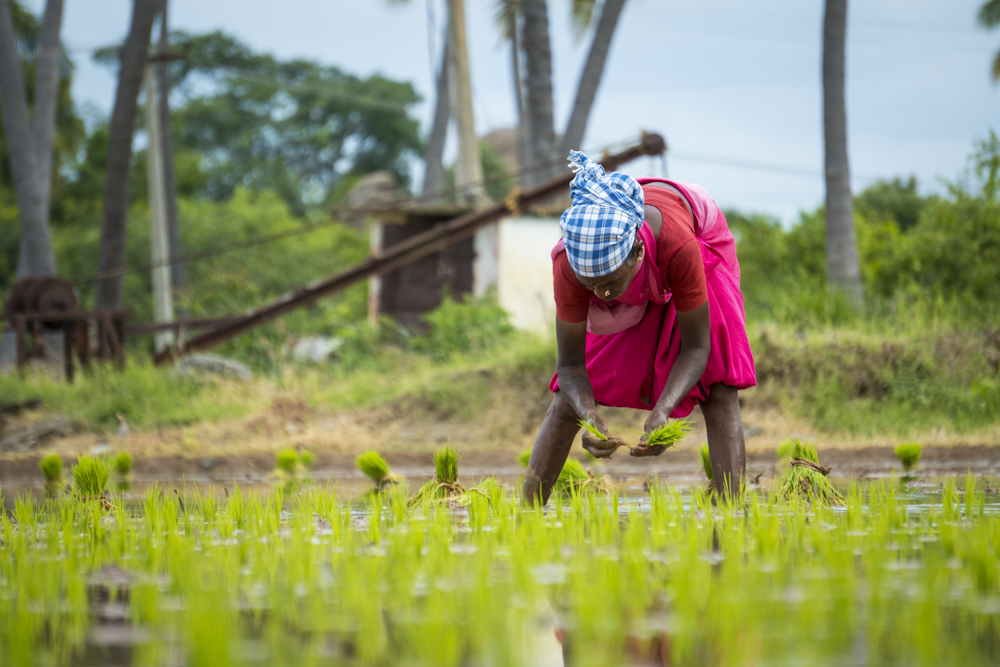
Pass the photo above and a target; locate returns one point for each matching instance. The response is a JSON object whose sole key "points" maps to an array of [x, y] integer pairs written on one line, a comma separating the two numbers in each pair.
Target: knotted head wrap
{"points": [[605, 212]]}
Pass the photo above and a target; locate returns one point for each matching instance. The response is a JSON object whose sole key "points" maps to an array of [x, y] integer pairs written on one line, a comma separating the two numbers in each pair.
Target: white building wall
{"points": [[524, 288]]}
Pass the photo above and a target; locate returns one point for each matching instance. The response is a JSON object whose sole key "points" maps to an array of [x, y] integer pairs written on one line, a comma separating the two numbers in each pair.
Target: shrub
{"points": [[909, 454], [463, 326], [51, 467], [90, 475]]}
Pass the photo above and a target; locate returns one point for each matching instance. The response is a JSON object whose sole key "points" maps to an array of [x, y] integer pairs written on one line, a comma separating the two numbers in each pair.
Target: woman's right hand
{"points": [[601, 449]]}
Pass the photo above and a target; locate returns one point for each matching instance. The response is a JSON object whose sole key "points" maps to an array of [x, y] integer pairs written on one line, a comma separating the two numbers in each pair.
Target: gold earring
{"points": [[607, 292]]}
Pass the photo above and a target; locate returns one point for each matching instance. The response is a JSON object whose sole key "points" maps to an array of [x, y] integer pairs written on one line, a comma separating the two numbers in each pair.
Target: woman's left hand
{"points": [[655, 420]]}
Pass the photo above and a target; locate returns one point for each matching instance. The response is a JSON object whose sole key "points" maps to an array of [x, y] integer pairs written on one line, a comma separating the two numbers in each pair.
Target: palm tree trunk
{"points": [[538, 62], [514, 29], [167, 156], [843, 266], [590, 79], [37, 256], [434, 150], [120, 131]]}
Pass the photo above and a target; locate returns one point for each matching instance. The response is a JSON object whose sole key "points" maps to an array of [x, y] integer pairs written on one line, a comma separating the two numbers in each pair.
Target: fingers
{"points": [[602, 449]]}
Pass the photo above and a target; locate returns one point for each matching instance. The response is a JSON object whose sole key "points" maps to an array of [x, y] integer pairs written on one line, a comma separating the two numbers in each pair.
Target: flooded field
{"points": [[246, 577]]}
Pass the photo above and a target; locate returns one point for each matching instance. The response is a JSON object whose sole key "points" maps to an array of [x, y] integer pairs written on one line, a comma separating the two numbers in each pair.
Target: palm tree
{"points": [[989, 17], [842, 264], [536, 121], [116, 189], [29, 143]]}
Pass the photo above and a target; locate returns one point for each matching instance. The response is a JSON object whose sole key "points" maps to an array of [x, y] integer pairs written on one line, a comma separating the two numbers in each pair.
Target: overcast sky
{"points": [[734, 86]]}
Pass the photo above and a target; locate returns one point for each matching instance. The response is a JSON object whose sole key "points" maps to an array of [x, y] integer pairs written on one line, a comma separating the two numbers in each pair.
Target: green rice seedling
{"points": [[90, 476], [287, 460], [706, 462], [373, 466], [909, 455], [591, 429], [51, 466], [445, 484], [784, 451], [524, 458], [669, 434], [123, 467], [487, 489], [806, 479], [574, 478], [307, 459]]}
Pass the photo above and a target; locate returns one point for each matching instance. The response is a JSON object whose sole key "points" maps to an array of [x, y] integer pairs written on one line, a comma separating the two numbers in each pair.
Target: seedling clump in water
{"points": [[90, 476], [807, 479], [51, 467], [909, 455], [445, 483], [373, 466]]}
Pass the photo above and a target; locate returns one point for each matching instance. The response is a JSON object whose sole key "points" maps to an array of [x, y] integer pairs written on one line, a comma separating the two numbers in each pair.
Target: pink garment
{"points": [[628, 367]]}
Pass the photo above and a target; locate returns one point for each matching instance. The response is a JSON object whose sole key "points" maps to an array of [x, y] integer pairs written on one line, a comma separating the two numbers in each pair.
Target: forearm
{"points": [[574, 383], [688, 369]]}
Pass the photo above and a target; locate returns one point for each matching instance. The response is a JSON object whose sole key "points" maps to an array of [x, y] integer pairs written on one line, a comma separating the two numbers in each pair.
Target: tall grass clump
{"points": [[52, 467], [909, 455], [445, 483], [90, 476], [806, 478]]}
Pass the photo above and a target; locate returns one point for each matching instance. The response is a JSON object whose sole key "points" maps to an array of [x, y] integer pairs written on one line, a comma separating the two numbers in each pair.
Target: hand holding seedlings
{"points": [[596, 438], [656, 441]]}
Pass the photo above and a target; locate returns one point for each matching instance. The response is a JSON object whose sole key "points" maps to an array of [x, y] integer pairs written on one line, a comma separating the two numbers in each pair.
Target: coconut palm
{"points": [[989, 17], [116, 189], [843, 266], [537, 131], [29, 143]]}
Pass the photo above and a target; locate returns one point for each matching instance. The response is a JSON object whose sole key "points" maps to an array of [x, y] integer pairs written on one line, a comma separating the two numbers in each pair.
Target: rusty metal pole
{"points": [[403, 253]]}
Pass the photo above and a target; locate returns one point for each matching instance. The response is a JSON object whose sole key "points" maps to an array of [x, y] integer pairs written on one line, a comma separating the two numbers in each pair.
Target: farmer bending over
{"points": [[649, 315]]}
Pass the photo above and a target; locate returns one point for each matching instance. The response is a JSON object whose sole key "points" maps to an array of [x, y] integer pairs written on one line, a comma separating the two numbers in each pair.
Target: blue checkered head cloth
{"points": [[605, 212]]}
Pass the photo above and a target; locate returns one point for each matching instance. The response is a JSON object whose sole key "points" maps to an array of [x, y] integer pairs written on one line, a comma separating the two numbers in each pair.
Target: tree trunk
{"points": [[514, 28], [590, 79], [37, 257], [167, 156], [434, 151], [538, 62], [120, 131], [843, 266]]}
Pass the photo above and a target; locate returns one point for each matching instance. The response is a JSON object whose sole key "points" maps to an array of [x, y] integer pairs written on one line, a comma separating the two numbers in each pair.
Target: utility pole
{"points": [[469, 171], [163, 59], [163, 308], [469, 174]]}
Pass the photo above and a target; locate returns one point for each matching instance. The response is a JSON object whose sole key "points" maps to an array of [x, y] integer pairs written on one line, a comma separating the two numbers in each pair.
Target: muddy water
{"points": [[676, 468]]}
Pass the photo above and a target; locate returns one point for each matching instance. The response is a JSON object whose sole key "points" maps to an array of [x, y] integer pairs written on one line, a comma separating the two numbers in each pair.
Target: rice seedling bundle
{"points": [[594, 432], [574, 478], [307, 459], [90, 476], [807, 479], [669, 434], [524, 458], [706, 462], [373, 466], [909, 455], [286, 460], [51, 466], [445, 484]]}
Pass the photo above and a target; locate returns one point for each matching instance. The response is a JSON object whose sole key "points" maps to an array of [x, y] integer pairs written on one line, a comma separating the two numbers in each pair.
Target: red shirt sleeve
{"points": [[678, 253], [572, 298]]}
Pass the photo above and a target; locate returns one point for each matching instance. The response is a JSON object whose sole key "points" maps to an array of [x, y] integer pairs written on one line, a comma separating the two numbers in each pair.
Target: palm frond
{"points": [[989, 14]]}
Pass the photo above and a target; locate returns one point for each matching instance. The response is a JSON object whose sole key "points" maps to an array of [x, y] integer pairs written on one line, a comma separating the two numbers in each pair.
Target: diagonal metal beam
{"points": [[403, 253]]}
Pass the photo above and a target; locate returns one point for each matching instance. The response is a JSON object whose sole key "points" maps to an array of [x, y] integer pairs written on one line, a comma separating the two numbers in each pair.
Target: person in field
{"points": [[649, 315]]}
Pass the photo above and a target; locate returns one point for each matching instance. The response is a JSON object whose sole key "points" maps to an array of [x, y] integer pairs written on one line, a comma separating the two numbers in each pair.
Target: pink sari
{"points": [[632, 342]]}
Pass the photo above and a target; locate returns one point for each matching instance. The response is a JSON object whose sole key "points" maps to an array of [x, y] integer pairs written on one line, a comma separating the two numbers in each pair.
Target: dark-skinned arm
{"points": [[696, 343], [574, 383]]}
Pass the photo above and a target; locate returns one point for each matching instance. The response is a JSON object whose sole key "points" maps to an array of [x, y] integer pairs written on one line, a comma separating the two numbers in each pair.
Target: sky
{"points": [[734, 86]]}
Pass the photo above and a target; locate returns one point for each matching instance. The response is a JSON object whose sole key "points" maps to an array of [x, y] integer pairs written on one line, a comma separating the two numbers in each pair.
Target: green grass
{"points": [[123, 463], [286, 460], [706, 461]]}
